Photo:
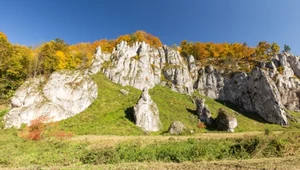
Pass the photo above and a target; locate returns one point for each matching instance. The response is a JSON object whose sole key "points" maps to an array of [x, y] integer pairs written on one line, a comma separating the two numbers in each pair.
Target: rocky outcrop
{"points": [[142, 66], [256, 92], [203, 112], [286, 77], [146, 113], [62, 95], [177, 128], [225, 121], [294, 63], [99, 58], [210, 82]]}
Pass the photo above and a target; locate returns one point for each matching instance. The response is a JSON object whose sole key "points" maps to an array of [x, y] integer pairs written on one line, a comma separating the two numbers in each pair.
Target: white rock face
{"points": [[99, 58], [146, 113], [210, 82], [142, 66], [288, 83], [256, 92], [64, 94]]}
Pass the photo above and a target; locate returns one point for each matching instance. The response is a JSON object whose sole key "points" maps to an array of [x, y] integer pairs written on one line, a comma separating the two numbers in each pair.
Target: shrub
{"points": [[35, 130], [38, 129], [201, 125]]}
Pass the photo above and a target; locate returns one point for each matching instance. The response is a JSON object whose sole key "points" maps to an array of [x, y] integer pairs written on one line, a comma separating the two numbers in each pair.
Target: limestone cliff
{"points": [[263, 91]]}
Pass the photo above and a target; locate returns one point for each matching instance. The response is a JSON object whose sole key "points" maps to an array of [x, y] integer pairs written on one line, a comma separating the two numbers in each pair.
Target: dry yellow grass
{"points": [[111, 140]]}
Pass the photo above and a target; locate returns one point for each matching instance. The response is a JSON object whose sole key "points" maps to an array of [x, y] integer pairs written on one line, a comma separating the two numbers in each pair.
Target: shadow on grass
{"points": [[194, 112], [164, 133], [250, 115], [129, 114]]}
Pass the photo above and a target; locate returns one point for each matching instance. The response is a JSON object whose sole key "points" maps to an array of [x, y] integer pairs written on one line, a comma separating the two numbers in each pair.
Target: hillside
{"points": [[112, 112]]}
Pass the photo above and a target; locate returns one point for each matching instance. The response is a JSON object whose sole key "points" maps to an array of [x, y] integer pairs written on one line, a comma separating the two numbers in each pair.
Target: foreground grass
{"points": [[51, 152], [290, 163]]}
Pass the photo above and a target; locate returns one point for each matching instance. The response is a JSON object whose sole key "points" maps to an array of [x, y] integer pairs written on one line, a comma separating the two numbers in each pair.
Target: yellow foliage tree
{"points": [[62, 60]]}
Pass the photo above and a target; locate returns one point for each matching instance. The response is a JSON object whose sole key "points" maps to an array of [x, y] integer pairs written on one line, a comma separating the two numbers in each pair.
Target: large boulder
{"points": [[177, 128], [203, 112], [146, 113], [62, 95], [226, 122]]}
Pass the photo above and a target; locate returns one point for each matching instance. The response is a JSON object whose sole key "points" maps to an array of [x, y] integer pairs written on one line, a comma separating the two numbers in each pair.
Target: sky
{"points": [[32, 22]]}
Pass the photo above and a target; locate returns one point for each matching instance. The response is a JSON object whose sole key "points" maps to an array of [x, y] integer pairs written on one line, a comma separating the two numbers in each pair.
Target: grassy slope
{"points": [[112, 112]]}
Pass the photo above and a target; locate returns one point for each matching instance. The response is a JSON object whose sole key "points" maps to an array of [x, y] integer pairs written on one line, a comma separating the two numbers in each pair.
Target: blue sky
{"points": [[32, 22]]}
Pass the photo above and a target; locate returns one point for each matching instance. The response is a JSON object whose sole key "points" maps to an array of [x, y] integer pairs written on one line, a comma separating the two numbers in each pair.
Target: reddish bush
{"points": [[35, 130], [38, 130], [201, 125]]}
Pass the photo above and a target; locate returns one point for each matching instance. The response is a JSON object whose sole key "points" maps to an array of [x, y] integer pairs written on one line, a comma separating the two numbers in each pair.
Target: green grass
{"points": [[17, 152], [3, 111]]}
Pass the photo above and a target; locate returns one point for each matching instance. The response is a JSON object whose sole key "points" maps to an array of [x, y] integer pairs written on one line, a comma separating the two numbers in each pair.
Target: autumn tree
{"points": [[5, 52], [275, 48], [15, 65], [263, 48], [140, 36], [46, 60]]}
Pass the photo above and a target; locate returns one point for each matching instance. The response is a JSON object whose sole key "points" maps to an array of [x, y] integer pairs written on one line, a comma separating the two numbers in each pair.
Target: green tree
{"points": [[286, 48]]}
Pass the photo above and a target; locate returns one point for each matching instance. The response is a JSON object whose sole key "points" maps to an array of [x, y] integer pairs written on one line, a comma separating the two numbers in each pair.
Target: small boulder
{"points": [[226, 122], [203, 112], [146, 113], [124, 92], [176, 128]]}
